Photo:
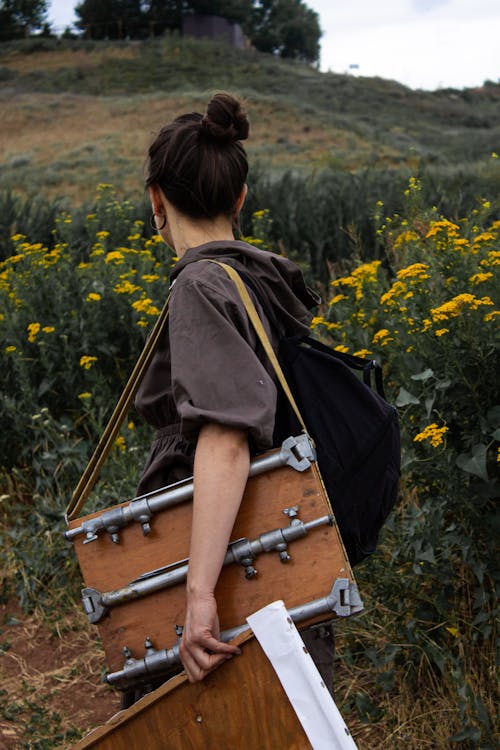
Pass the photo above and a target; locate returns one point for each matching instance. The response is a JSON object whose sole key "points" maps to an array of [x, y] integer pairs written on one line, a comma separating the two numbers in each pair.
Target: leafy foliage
{"points": [[19, 17], [431, 317], [287, 28]]}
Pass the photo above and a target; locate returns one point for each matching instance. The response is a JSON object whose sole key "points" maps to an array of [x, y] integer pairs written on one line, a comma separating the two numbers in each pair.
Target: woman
{"points": [[209, 392]]}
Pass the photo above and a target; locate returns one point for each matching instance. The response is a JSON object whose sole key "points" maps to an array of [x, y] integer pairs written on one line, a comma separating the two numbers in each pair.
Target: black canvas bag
{"points": [[356, 433]]}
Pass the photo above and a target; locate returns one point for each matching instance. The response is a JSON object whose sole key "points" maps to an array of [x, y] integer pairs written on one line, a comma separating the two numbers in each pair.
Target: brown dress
{"points": [[209, 366]]}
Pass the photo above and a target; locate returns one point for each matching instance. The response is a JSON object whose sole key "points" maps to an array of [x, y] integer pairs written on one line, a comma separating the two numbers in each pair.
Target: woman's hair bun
{"points": [[225, 119]]}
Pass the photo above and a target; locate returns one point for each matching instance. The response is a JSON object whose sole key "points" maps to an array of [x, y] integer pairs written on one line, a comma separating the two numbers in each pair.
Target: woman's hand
{"points": [[201, 651]]}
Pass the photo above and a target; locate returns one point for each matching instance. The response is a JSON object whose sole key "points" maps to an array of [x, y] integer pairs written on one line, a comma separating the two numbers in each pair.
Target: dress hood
{"points": [[277, 277]]}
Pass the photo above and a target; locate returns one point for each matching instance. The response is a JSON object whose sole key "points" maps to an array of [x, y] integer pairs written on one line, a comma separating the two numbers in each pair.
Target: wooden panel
{"points": [[317, 561], [240, 705]]}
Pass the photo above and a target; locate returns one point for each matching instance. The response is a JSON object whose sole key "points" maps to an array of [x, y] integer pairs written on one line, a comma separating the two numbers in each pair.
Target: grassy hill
{"points": [[75, 113]]}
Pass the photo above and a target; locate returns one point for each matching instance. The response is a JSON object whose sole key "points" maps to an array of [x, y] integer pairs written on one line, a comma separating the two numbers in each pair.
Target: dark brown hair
{"points": [[198, 160]]}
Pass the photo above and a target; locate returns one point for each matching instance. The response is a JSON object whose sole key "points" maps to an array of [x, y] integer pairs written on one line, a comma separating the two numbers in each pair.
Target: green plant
{"points": [[432, 319]]}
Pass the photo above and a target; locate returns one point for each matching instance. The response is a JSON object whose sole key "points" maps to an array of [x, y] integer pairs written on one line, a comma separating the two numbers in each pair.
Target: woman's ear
{"points": [[155, 196], [241, 199]]}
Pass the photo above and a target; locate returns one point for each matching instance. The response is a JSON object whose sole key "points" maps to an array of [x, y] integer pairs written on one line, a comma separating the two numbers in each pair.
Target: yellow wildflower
{"points": [[142, 323], [432, 433], [48, 329], [86, 361], [145, 305], [126, 287], [318, 321], [337, 298], [404, 238], [120, 443], [390, 296], [491, 315], [443, 225], [12, 259], [453, 631], [484, 237], [33, 331], [102, 235], [478, 278], [382, 337], [84, 395], [362, 353], [456, 306], [442, 331], [415, 271], [492, 259], [93, 297], [9, 349], [18, 237], [341, 348], [84, 265], [115, 256], [131, 425], [150, 277]]}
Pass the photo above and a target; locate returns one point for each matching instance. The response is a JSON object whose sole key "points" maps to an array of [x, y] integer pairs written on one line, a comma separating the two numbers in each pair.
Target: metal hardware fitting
{"points": [[296, 452], [242, 551], [343, 600]]}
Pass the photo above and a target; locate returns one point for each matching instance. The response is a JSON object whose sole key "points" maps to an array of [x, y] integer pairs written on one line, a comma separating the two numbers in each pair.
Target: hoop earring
{"points": [[153, 222]]}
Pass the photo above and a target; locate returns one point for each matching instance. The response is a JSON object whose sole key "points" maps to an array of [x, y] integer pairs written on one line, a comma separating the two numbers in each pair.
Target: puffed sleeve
{"points": [[216, 374]]}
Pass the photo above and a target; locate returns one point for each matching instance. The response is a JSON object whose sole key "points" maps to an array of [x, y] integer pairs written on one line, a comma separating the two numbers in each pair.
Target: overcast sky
{"points": [[422, 43]]}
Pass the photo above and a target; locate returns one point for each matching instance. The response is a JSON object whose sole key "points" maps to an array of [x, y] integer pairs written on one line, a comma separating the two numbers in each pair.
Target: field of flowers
{"points": [[73, 319]]}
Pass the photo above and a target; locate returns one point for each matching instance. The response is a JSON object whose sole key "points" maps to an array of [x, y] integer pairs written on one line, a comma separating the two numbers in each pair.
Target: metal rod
{"points": [[156, 663], [242, 551], [296, 452]]}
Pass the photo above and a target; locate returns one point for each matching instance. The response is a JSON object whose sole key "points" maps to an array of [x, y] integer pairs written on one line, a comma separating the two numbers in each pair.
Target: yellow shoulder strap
{"points": [[261, 333], [94, 466]]}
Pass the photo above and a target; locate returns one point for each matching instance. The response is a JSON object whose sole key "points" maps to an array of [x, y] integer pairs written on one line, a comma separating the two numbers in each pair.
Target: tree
{"points": [[282, 27], [234, 10], [18, 18], [116, 19], [285, 27], [111, 19]]}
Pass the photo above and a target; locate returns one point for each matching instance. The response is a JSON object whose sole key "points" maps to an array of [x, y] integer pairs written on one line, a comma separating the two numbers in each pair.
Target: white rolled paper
{"points": [[311, 700]]}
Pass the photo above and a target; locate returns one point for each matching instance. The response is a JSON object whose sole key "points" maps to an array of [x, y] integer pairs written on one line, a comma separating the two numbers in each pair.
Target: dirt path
{"points": [[50, 680]]}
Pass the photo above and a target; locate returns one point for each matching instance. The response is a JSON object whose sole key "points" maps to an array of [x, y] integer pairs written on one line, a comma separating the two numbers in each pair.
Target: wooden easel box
{"points": [[240, 706], [317, 560]]}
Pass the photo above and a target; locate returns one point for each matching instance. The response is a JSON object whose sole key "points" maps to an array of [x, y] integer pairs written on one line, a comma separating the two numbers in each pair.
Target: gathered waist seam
{"points": [[174, 430]]}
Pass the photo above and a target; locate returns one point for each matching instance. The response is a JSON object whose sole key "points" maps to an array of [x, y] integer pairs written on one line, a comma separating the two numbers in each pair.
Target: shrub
{"points": [[431, 317]]}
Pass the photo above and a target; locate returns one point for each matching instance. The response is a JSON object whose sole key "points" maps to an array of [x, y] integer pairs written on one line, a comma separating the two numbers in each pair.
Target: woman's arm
{"points": [[221, 468]]}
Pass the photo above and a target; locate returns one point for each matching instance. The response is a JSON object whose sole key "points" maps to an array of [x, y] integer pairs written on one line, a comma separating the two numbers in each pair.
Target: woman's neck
{"points": [[186, 233]]}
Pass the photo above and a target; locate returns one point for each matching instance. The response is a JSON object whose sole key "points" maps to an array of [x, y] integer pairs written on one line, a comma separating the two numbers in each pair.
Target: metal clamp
{"points": [[343, 600], [242, 552], [296, 452]]}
